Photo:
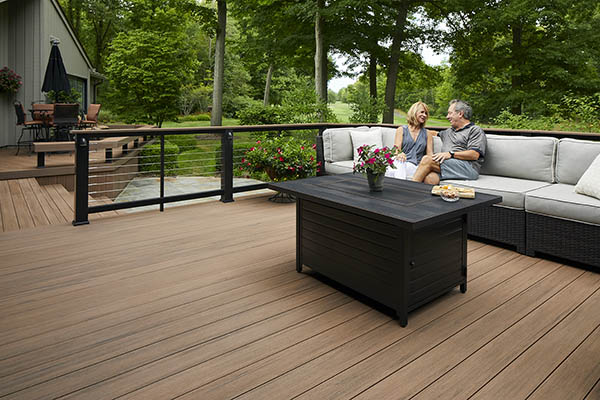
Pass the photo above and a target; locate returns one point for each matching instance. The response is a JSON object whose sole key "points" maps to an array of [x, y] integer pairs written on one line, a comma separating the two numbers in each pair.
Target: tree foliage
{"points": [[150, 62]]}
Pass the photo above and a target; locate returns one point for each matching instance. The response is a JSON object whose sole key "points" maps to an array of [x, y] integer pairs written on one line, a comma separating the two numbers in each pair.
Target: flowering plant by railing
{"points": [[375, 160], [281, 158], [10, 82]]}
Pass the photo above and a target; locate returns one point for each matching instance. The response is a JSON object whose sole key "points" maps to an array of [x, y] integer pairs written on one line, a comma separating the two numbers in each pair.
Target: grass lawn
{"points": [[343, 112]]}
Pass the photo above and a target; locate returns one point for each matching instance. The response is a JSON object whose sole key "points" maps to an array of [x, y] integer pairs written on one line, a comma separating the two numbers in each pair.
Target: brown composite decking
{"points": [[203, 302], [24, 204]]}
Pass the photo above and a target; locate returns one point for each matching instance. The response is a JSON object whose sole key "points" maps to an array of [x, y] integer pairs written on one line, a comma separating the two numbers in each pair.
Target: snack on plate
{"points": [[467, 193]]}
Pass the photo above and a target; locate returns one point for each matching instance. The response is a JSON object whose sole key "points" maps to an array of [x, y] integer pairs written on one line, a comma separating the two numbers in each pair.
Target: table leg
{"points": [[402, 318], [299, 235]]}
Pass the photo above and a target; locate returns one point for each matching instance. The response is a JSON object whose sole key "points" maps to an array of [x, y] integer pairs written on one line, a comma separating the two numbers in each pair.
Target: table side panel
{"points": [[344, 251], [438, 256]]}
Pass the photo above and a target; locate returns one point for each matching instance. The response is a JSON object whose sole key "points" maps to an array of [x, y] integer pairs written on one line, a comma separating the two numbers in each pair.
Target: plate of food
{"points": [[453, 193]]}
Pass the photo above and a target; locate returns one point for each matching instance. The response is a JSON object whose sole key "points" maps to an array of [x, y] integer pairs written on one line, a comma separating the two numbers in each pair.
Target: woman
{"points": [[413, 140]]}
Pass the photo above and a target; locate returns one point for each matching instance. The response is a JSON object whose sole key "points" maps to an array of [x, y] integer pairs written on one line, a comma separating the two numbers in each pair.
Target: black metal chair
{"points": [[34, 127], [65, 118]]}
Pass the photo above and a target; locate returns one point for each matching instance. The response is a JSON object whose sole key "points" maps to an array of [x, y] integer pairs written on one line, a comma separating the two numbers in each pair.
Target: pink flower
{"points": [[376, 151], [243, 160], [252, 149], [281, 159], [258, 142], [301, 147], [371, 161], [314, 146]]}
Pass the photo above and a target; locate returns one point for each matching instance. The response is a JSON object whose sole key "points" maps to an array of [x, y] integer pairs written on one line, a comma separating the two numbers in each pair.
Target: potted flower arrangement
{"points": [[10, 82], [374, 162], [281, 158]]}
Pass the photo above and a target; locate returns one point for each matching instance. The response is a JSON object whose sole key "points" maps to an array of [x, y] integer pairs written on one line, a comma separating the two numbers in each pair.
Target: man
{"points": [[463, 149]]}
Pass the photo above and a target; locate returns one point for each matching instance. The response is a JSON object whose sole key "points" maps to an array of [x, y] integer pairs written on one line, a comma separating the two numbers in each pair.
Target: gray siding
{"points": [[25, 30]]}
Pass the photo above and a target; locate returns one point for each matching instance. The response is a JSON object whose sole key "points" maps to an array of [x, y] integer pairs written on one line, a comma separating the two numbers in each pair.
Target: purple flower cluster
{"points": [[9, 81]]}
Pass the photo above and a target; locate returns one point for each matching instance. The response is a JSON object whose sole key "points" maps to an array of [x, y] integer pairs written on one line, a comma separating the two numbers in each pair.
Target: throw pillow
{"points": [[370, 137], [589, 183]]}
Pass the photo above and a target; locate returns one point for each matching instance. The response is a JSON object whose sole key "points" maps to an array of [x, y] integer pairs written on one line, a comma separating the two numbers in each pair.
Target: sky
{"points": [[429, 57]]}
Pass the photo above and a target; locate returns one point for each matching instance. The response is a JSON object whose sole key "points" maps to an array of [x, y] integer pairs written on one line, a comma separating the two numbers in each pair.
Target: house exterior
{"points": [[27, 28]]}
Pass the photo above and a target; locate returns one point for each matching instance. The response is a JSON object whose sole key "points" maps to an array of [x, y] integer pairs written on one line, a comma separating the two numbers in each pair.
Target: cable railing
{"points": [[107, 175]]}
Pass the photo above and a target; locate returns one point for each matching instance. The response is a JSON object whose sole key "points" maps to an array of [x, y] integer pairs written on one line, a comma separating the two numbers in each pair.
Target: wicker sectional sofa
{"points": [[535, 175]]}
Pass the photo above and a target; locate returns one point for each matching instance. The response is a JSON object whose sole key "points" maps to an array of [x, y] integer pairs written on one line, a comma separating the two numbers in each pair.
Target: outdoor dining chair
{"points": [[34, 127], [66, 116], [45, 113], [91, 118]]}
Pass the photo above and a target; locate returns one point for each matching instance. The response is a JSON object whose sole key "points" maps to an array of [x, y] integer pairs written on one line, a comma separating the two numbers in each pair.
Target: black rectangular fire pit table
{"points": [[402, 247]]}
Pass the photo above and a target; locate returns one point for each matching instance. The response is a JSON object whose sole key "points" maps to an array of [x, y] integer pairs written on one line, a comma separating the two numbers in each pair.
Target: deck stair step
{"points": [[24, 204]]}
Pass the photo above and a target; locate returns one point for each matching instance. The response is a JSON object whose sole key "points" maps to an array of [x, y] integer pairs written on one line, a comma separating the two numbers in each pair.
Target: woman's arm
{"points": [[398, 143]]}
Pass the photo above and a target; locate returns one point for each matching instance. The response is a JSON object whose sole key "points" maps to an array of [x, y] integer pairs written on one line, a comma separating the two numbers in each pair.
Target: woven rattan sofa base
{"points": [[569, 240], [500, 224]]}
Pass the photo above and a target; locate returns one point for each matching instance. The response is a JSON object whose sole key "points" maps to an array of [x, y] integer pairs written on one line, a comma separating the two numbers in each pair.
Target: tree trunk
{"points": [[373, 76], [268, 85], [320, 75], [516, 83], [392, 72], [216, 117]]}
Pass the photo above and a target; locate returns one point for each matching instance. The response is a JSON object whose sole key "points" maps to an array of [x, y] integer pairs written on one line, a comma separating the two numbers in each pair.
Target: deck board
{"points": [[203, 302]]}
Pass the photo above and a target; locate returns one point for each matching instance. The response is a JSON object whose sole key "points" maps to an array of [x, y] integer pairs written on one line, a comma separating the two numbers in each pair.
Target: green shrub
{"points": [[150, 158], [194, 117], [198, 162], [184, 142]]}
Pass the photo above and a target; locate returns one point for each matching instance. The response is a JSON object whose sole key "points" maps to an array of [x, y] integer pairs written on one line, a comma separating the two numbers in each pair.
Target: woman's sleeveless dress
{"points": [[414, 150]]}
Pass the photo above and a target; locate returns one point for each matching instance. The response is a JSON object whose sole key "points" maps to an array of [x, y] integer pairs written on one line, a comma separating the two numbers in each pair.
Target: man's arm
{"points": [[468, 155]]}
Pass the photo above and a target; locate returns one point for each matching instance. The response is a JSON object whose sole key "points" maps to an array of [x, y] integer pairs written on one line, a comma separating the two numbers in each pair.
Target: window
{"points": [[80, 85]]}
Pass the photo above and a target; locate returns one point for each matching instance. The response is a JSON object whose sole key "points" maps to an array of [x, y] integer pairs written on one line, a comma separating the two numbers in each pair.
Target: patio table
{"points": [[402, 247]]}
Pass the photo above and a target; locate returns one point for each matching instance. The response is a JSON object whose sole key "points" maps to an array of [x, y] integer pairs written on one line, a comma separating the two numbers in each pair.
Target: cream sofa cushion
{"points": [[573, 158], [337, 144], [372, 137], [520, 157], [589, 183], [561, 201]]}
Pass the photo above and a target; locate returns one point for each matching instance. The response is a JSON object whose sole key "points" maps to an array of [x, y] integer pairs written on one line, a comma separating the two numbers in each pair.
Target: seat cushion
{"points": [[339, 167], [520, 157], [561, 201], [573, 158], [337, 144], [512, 190]]}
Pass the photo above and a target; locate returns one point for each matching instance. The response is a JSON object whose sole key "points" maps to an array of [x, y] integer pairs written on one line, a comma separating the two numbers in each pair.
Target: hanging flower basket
{"points": [[10, 82]]}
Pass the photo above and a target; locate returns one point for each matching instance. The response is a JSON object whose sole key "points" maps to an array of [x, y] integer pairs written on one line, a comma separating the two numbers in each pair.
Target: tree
{"points": [[150, 61], [521, 54], [216, 117]]}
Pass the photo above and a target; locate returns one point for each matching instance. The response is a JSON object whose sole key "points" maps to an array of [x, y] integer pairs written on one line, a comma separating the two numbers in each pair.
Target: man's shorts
{"points": [[453, 168]]}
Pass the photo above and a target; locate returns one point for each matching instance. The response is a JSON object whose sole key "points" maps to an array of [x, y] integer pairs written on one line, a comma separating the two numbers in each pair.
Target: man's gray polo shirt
{"points": [[470, 137]]}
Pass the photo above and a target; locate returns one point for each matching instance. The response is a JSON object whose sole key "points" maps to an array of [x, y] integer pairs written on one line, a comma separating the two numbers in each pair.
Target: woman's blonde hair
{"points": [[411, 115]]}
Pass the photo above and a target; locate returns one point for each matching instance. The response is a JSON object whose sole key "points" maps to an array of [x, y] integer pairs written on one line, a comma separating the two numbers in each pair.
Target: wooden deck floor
{"points": [[203, 302]]}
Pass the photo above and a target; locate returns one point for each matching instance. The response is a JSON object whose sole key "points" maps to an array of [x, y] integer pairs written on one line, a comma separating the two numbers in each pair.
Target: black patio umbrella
{"points": [[56, 74]]}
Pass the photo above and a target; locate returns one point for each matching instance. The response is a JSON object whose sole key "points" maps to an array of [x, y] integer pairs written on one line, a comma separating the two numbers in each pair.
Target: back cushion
{"points": [[337, 144], [437, 144], [573, 158], [388, 135], [372, 137], [520, 157]]}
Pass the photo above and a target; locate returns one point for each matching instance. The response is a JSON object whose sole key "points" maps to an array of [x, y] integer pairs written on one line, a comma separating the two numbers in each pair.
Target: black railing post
{"points": [[162, 172], [82, 163], [227, 166], [320, 153]]}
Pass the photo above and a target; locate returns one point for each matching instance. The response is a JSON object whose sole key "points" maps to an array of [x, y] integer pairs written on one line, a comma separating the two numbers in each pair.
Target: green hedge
{"points": [[184, 142], [150, 161]]}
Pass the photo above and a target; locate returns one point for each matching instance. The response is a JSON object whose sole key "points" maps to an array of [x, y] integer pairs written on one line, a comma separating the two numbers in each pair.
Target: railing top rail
{"points": [[286, 127]]}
